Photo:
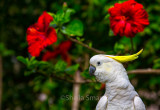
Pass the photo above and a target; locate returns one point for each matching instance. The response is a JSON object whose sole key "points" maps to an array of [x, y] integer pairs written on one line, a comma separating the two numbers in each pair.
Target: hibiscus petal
{"points": [[66, 58], [50, 55], [128, 18], [40, 35], [35, 48], [119, 28], [128, 31], [44, 21], [51, 36], [142, 17], [65, 46]]}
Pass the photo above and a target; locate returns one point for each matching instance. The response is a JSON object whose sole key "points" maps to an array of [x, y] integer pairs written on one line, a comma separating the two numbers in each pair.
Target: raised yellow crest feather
{"points": [[128, 58]]}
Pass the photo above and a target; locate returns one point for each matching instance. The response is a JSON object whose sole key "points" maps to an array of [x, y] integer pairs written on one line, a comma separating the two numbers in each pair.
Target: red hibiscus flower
{"points": [[62, 50], [128, 18], [40, 35]]}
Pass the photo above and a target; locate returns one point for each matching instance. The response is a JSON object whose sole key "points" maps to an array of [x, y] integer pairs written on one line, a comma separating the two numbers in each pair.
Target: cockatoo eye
{"points": [[98, 63]]}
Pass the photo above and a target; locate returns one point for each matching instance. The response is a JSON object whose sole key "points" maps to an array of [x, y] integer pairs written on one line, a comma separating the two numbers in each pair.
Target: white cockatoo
{"points": [[119, 94]]}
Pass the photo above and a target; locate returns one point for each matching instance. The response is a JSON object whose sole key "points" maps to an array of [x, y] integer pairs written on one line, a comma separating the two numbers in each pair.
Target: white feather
{"points": [[138, 104], [102, 104]]}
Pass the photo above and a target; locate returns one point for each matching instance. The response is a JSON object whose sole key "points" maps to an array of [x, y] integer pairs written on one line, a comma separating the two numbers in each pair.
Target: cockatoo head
{"points": [[107, 67]]}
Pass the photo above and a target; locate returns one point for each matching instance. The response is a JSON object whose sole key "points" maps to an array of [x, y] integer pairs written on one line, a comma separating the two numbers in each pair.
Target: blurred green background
{"points": [[40, 92]]}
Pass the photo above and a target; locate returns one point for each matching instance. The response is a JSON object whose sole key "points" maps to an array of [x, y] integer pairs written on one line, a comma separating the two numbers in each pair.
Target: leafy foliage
{"points": [[30, 83], [62, 16], [75, 28], [44, 67]]}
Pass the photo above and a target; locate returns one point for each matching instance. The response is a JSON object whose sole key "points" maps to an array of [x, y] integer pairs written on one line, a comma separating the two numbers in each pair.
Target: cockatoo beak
{"points": [[92, 69], [124, 59]]}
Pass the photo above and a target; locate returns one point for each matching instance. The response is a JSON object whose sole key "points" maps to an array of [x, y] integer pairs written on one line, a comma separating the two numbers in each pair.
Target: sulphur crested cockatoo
{"points": [[119, 94]]}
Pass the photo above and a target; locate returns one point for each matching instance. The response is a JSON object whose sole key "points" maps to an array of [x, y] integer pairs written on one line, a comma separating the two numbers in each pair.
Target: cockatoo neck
{"points": [[121, 81], [117, 75], [117, 82]]}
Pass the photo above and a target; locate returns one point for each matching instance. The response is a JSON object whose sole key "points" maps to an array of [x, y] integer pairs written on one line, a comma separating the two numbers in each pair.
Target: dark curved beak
{"points": [[92, 69]]}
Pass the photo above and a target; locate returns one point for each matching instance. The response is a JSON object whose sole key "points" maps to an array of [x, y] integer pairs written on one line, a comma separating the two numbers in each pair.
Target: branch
{"points": [[144, 71], [76, 90], [137, 71], [82, 80], [79, 81], [61, 78], [85, 45]]}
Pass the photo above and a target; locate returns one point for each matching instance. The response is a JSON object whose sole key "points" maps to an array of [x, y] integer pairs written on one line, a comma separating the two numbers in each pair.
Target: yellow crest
{"points": [[123, 59]]}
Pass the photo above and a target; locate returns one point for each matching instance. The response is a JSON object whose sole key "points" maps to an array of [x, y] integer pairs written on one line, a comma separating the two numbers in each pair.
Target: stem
{"points": [[85, 45], [86, 63], [76, 89], [132, 46]]}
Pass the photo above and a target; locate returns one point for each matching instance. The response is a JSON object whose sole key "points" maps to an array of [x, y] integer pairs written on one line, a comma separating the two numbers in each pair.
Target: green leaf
{"points": [[107, 17], [111, 33], [61, 17], [97, 86], [60, 66], [58, 18], [99, 2], [156, 63], [86, 74], [32, 59], [78, 38], [67, 15], [72, 69], [90, 44], [75, 28], [118, 47], [22, 59], [49, 85]]}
